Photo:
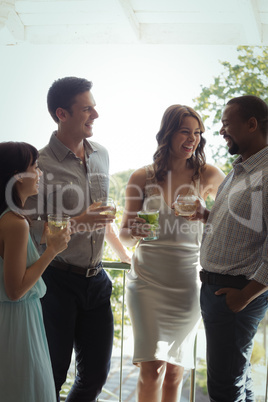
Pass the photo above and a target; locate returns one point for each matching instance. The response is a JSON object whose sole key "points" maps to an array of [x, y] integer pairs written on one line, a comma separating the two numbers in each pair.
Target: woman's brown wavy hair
{"points": [[170, 124]]}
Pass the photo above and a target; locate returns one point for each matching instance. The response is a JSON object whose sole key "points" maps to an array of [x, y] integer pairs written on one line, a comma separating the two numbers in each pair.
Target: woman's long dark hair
{"points": [[170, 124], [15, 158]]}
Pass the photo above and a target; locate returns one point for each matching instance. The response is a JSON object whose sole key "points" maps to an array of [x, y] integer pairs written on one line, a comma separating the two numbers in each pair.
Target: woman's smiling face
{"points": [[185, 141]]}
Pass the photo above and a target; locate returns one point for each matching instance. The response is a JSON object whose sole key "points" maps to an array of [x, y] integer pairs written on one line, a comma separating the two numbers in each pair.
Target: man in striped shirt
{"points": [[234, 254]]}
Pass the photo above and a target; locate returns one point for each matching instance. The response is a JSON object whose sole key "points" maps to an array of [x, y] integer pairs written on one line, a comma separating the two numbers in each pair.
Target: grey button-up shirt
{"points": [[67, 186]]}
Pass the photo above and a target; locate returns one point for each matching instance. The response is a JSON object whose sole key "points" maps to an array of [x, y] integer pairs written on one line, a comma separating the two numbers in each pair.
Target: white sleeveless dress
{"points": [[163, 287]]}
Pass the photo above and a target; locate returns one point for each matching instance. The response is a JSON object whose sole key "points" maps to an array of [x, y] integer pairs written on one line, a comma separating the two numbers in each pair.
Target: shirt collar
{"points": [[253, 161], [61, 151]]}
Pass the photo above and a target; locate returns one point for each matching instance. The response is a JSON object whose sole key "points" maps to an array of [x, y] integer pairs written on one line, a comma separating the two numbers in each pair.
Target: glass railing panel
{"points": [[259, 362]]}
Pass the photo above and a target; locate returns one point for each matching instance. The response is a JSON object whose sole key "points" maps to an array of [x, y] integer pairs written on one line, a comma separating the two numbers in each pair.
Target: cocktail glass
{"points": [[185, 205], [109, 203], [57, 222], [152, 218]]}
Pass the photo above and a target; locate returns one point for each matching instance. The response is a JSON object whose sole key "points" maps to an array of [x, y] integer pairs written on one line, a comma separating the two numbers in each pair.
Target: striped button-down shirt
{"points": [[235, 239]]}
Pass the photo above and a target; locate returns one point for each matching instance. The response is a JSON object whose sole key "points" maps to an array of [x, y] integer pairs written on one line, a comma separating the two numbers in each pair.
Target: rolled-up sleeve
{"points": [[261, 274]]}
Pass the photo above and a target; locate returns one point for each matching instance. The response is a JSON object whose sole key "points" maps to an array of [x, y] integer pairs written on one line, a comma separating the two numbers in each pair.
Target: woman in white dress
{"points": [[163, 285]]}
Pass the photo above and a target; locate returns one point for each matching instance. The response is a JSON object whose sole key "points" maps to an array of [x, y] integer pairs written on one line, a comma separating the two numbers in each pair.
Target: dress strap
{"points": [[150, 177], [194, 188], [5, 211], [197, 186], [151, 187]]}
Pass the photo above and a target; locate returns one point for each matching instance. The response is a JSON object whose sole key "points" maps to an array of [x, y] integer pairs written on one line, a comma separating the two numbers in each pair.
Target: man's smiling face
{"points": [[234, 129]]}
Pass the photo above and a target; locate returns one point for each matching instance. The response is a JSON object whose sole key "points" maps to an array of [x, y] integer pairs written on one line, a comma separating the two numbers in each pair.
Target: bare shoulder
{"points": [[211, 172], [138, 177], [15, 225], [210, 179]]}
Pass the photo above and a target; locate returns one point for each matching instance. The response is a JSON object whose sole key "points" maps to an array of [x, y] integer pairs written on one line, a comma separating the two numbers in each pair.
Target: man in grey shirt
{"points": [[76, 307]]}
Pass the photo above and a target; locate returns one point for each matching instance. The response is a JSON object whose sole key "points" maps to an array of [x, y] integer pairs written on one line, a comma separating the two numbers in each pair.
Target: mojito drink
{"points": [[152, 218]]}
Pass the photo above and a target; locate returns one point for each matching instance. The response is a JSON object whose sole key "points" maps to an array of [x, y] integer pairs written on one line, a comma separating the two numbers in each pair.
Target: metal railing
{"points": [[122, 267]]}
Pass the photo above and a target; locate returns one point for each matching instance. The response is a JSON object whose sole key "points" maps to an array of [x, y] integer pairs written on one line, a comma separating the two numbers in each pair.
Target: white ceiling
{"points": [[208, 22]]}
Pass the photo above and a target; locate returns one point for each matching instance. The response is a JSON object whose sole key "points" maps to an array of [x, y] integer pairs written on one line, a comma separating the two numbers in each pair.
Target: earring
{"points": [[19, 178]]}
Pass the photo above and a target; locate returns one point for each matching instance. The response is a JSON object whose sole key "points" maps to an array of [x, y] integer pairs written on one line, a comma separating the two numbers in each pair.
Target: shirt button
{"points": [[94, 241], [81, 163]]}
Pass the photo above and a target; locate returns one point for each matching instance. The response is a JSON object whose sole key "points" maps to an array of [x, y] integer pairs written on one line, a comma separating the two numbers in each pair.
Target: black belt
{"points": [[211, 278], [87, 272]]}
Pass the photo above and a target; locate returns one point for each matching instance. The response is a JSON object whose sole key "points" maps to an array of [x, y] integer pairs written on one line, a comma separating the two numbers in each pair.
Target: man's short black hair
{"points": [[62, 93], [252, 106]]}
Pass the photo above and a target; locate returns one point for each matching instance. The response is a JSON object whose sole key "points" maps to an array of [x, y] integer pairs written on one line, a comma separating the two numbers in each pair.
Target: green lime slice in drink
{"points": [[150, 216]]}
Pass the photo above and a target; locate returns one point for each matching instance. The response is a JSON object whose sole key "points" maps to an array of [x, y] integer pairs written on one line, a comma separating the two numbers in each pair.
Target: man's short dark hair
{"points": [[62, 93], [252, 106]]}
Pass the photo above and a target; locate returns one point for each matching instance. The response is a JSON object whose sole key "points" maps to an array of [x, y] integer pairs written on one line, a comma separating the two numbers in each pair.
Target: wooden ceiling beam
{"points": [[131, 16], [11, 27], [251, 21]]}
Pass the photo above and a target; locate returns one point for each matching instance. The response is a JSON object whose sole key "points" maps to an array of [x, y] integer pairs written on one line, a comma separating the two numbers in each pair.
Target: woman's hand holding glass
{"points": [[140, 228], [192, 208], [58, 241], [201, 212]]}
